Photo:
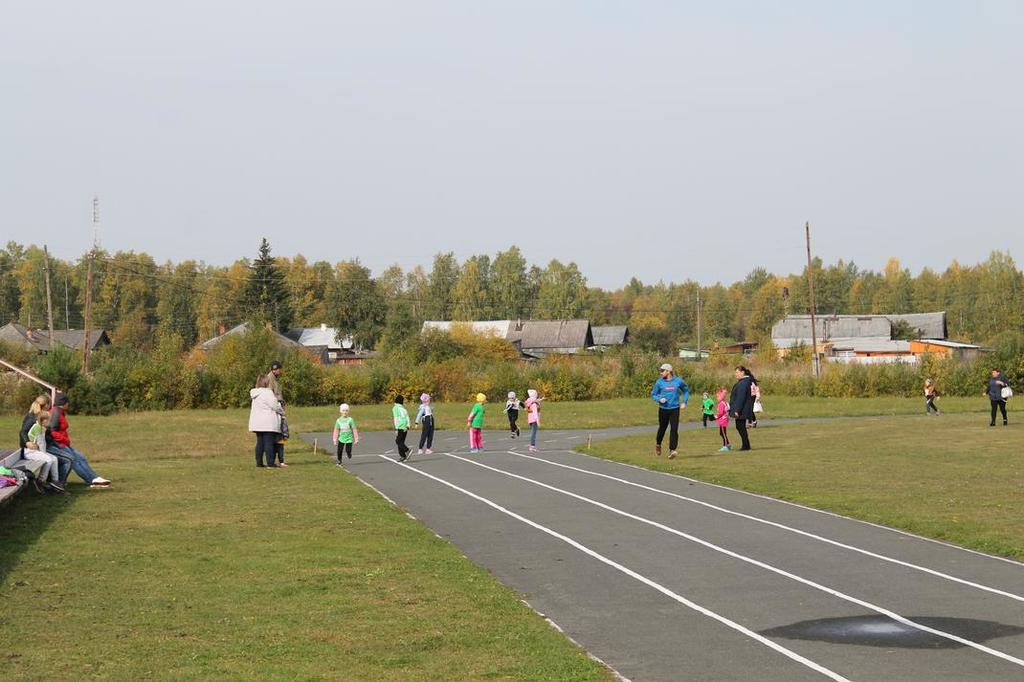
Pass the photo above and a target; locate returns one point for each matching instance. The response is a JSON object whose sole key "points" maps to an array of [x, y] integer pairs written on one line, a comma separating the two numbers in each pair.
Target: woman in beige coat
{"points": [[265, 421]]}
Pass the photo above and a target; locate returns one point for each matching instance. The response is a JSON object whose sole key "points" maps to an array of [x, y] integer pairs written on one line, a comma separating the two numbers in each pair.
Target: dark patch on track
{"points": [[882, 631]]}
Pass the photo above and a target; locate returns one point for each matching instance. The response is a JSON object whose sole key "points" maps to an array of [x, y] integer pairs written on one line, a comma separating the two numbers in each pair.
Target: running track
{"points": [[666, 578]]}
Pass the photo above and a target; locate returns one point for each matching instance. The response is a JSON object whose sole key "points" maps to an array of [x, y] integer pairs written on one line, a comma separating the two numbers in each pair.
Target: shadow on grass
{"points": [[22, 523]]}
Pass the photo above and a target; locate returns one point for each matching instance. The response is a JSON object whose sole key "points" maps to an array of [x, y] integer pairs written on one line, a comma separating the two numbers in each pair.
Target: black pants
{"points": [[513, 417], [427, 435], [266, 441], [403, 449], [741, 428], [929, 405], [344, 449], [669, 419], [705, 418], [998, 405]]}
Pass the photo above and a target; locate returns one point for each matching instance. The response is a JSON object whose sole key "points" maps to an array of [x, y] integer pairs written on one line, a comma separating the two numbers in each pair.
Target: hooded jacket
{"points": [[265, 413]]}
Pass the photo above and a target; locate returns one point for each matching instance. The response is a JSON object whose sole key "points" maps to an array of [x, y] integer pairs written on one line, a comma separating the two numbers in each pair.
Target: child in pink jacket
{"points": [[533, 416], [722, 416]]}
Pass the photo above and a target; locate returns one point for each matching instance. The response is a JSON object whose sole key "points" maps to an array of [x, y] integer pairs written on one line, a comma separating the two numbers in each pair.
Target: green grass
{"points": [[197, 565], [626, 412], [952, 477]]}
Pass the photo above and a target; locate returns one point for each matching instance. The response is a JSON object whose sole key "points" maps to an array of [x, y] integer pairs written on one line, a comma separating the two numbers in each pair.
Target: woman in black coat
{"points": [[741, 404]]}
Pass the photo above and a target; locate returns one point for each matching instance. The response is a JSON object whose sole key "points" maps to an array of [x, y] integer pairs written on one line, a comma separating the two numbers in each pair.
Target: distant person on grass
{"points": [[62, 445], [722, 417], [425, 417], [930, 395], [274, 385], [707, 409], [998, 386], [475, 422], [400, 417], [532, 405], [671, 393], [265, 421], [345, 433], [741, 404]]}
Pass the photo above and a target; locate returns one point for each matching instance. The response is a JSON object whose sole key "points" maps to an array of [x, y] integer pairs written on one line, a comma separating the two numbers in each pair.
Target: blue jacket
{"points": [[670, 391]]}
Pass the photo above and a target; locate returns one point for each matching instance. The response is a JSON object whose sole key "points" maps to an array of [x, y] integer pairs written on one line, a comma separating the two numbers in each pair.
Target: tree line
{"points": [[137, 299]]}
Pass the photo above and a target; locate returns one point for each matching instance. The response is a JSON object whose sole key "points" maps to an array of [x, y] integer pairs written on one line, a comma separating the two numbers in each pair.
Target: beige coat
{"points": [[265, 413]]}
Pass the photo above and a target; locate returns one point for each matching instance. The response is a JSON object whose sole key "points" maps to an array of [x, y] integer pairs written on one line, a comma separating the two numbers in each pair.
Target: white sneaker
{"points": [[429, 451], [99, 482], [419, 452]]}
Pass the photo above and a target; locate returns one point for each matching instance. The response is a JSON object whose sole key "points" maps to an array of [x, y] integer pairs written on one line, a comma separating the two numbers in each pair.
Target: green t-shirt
{"points": [[476, 416], [401, 417], [709, 406], [35, 431], [346, 427]]}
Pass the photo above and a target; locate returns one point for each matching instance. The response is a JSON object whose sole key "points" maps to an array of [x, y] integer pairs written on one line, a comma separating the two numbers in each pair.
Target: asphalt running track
{"points": [[666, 578]]}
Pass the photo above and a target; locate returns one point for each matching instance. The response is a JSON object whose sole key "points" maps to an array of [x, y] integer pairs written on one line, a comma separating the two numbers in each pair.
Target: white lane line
{"points": [[633, 574], [760, 564], [804, 507], [774, 524]]}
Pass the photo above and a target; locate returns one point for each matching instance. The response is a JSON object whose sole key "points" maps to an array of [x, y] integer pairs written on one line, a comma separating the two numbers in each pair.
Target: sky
{"points": [[667, 140]]}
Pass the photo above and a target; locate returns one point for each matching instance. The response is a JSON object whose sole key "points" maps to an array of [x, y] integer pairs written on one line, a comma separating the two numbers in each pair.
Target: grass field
{"points": [[197, 565], [951, 477]]}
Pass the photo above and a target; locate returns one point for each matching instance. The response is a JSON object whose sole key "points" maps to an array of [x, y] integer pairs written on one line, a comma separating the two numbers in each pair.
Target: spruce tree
{"points": [[267, 298]]}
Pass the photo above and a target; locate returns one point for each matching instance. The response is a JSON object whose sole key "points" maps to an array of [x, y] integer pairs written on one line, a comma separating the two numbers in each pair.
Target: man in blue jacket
{"points": [[667, 391]]}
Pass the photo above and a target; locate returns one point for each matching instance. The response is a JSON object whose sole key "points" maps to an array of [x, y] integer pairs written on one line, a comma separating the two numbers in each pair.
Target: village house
{"points": [[38, 340], [870, 339], [533, 338], [609, 336]]}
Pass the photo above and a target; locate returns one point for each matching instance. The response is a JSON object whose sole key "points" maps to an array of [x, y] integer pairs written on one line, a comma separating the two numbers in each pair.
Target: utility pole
{"points": [[67, 306], [88, 316], [49, 296], [88, 284], [810, 291], [699, 356]]}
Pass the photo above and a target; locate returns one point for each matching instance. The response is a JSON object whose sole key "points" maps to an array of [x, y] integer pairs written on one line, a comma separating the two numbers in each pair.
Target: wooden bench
{"points": [[12, 460]]}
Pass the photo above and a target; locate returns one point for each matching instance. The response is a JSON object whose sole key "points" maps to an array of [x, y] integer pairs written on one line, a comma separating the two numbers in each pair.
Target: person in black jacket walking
{"points": [[741, 404], [996, 383]]}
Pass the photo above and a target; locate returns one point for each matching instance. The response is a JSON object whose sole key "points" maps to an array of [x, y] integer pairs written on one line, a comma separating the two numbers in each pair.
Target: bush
{"points": [[61, 367]]}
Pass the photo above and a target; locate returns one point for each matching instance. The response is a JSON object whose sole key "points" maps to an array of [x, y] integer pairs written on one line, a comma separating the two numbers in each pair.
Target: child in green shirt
{"points": [[400, 415], [475, 422], [345, 433], [709, 409]]}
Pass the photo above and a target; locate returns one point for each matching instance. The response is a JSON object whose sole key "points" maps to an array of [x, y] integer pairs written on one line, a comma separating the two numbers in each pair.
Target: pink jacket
{"points": [[723, 413], [532, 411]]}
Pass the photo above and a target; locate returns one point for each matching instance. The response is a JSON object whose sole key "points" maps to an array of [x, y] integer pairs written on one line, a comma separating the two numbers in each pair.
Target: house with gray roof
{"points": [[38, 340], [539, 338], [606, 336]]}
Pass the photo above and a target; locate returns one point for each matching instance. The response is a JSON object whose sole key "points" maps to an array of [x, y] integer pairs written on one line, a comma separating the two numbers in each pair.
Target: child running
{"points": [[345, 433], [723, 421], [512, 407], [475, 422], [425, 415], [400, 415], [533, 416], [708, 410], [35, 449]]}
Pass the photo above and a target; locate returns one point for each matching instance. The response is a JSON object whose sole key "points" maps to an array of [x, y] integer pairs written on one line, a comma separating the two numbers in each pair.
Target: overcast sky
{"points": [[667, 140]]}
